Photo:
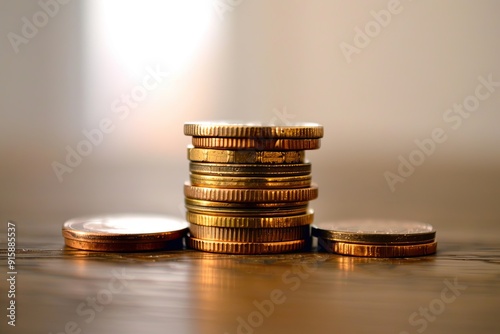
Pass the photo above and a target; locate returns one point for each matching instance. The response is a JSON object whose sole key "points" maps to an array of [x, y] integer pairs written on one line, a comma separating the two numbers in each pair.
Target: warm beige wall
{"points": [[394, 91]]}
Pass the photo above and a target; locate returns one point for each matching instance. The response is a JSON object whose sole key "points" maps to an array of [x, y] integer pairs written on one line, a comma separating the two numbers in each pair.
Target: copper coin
{"points": [[380, 251], [252, 130], [259, 144], [123, 233]]}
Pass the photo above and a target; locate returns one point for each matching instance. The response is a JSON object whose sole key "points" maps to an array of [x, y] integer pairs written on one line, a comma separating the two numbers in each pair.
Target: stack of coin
{"points": [[250, 187], [376, 238]]}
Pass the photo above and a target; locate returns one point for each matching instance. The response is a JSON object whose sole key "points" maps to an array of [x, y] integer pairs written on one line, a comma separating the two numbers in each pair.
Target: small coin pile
{"points": [[125, 233], [376, 238], [250, 187]]}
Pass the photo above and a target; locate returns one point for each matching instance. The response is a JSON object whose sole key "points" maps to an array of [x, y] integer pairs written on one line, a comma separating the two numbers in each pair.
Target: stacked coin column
{"points": [[250, 187]]}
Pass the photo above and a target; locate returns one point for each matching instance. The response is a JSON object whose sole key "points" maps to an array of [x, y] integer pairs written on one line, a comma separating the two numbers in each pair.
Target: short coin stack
{"points": [[376, 238], [125, 233], [250, 187]]}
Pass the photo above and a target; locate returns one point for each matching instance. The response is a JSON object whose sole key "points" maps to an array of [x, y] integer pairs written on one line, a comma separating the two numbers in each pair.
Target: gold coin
{"points": [[266, 144], [248, 212], [250, 169], [123, 233], [251, 195], [211, 129], [250, 222], [375, 231], [250, 181], [245, 157], [249, 234], [251, 206], [367, 250], [228, 247]]}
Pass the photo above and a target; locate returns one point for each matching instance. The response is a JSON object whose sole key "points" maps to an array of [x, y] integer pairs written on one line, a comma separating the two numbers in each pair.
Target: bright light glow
{"points": [[149, 32]]}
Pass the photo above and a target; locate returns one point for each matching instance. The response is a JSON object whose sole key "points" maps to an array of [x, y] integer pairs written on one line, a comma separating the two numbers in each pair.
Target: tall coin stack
{"points": [[250, 187]]}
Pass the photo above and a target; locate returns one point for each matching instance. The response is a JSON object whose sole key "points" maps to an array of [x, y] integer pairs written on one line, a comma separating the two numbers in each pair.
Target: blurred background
{"points": [[379, 76]]}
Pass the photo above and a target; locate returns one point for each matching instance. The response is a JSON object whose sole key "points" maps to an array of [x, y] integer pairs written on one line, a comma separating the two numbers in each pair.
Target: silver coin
{"points": [[221, 169]]}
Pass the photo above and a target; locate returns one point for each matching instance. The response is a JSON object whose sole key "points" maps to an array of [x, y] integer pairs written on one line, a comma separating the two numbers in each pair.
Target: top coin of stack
{"points": [[250, 187]]}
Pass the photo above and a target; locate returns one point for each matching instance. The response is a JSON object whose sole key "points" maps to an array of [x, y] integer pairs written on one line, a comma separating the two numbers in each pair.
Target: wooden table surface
{"points": [[63, 290]]}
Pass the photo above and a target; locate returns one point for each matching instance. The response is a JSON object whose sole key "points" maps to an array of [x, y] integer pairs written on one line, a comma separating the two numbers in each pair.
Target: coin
{"points": [[248, 234], [251, 195], [250, 169], [228, 247], [245, 157], [250, 206], [248, 212], [260, 144], [372, 231], [271, 212], [366, 250], [250, 222], [175, 244], [247, 182], [211, 129], [123, 233]]}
